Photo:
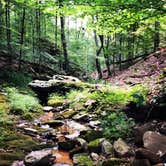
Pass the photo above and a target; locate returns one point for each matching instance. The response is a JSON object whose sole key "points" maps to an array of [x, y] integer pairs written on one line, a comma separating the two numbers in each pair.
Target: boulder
{"points": [[155, 142], [47, 108], [140, 130], [38, 158], [141, 162], [95, 145], [59, 84], [106, 147], [142, 153], [121, 148]]}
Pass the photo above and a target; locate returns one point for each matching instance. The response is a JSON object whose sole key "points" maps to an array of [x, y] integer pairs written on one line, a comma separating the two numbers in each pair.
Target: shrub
{"points": [[117, 125], [23, 104]]}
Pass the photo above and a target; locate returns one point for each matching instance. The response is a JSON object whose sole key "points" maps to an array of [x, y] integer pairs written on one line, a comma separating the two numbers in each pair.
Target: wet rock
{"points": [[106, 147], [82, 159], [83, 117], [142, 153], [95, 145], [38, 158], [121, 148], [115, 162], [30, 131], [155, 142], [141, 162], [94, 156], [91, 135], [94, 124], [140, 130], [47, 108], [54, 123], [67, 145], [18, 163], [68, 113]]}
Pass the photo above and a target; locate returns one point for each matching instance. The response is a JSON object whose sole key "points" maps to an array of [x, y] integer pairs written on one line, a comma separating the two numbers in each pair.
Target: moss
{"points": [[92, 135], [114, 162], [95, 146], [56, 102], [82, 160], [68, 114]]}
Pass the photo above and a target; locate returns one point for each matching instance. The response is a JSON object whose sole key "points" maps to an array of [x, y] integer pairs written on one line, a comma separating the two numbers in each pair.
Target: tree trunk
{"points": [[156, 36], [22, 31], [8, 31], [63, 40], [98, 51], [105, 51]]}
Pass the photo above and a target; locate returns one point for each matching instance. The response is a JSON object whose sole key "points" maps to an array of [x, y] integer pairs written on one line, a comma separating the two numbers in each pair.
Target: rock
{"points": [[47, 108], [160, 164], [121, 148], [155, 142], [30, 131], [106, 147], [142, 153], [115, 162], [18, 163], [91, 135], [83, 117], [163, 128], [94, 124], [67, 145], [53, 123], [68, 113], [141, 162], [140, 130], [38, 158], [95, 145], [90, 103], [59, 84], [94, 156], [82, 159]]}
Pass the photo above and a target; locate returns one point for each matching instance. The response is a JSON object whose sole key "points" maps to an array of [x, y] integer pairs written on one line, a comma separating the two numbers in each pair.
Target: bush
{"points": [[23, 104], [117, 125]]}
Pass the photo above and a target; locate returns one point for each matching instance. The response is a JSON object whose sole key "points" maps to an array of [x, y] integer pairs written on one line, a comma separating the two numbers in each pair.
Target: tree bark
{"points": [[22, 31], [63, 39], [98, 51], [8, 31], [156, 36]]}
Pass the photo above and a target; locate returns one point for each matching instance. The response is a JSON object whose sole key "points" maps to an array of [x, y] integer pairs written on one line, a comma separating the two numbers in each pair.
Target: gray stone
{"points": [[121, 148], [106, 147], [155, 142]]}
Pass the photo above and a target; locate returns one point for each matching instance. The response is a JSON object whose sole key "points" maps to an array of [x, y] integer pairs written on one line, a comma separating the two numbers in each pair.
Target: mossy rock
{"points": [[92, 135], [95, 145], [56, 102], [21, 142], [115, 162], [12, 156], [68, 113], [82, 159], [5, 162]]}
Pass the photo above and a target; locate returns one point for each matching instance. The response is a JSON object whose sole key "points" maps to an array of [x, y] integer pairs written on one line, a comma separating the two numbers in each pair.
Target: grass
{"points": [[24, 105], [55, 99]]}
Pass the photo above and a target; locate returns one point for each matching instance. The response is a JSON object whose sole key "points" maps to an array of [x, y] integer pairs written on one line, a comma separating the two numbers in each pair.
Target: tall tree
{"points": [[22, 31], [63, 38]]}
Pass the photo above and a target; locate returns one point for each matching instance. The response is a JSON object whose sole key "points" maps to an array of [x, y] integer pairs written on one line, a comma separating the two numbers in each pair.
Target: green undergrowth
{"points": [[15, 78], [117, 125], [23, 104]]}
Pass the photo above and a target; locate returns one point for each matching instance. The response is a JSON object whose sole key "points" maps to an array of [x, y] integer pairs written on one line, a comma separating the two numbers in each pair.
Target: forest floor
{"points": [[88, 126]]}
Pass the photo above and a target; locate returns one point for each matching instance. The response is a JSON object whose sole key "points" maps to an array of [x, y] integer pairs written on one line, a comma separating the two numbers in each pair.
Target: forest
{"points": [[82, 82]]}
